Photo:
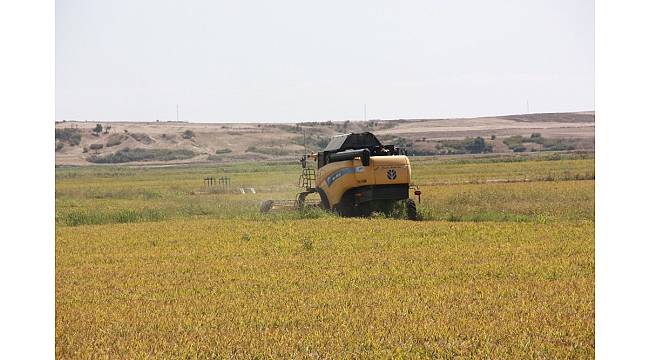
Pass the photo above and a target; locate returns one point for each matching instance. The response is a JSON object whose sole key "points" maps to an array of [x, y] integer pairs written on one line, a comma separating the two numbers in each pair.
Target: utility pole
{"points": [[527, 107]]}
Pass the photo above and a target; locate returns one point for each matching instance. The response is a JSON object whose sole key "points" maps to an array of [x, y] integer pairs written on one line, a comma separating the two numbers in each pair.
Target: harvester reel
{"points": [[300, 203], [266, 206], [302, 198]]}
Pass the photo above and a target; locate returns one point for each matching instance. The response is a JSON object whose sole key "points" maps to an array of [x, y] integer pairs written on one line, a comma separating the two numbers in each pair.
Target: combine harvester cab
{"points": [[354, 176]]}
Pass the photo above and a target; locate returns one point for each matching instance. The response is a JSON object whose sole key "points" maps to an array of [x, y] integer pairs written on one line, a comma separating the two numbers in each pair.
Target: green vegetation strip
{"points": [[483, 189]]}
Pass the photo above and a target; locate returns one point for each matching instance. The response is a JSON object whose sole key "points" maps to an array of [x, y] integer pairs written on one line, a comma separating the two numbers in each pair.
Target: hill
{"points": [[82, 143]]}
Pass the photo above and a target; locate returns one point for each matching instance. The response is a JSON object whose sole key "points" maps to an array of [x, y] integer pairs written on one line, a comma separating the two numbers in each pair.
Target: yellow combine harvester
{"points": [[354, 176]]}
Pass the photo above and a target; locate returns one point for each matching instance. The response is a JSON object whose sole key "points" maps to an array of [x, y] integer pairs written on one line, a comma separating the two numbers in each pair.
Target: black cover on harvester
{"points": [[352, 141]]}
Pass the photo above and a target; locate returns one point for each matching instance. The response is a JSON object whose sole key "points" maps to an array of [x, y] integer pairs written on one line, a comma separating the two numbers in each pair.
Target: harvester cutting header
{"points": [[354, 175]]}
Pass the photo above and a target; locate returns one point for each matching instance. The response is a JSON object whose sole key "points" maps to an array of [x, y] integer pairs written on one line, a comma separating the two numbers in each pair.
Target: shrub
{"points": [[138, 154], [188, 134], [68, 135], [560, 146], [58, 146], [402, 143], [268, 150], [218, 152], [476, 145], [114, 140], [513, 141], [96, 147]]}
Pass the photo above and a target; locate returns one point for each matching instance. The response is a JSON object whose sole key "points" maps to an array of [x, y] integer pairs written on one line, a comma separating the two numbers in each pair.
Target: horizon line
{"points": [[325, 121]]}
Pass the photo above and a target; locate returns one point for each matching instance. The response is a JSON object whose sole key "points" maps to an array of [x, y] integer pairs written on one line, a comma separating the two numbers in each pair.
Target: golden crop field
{"points": [[150, 265]]}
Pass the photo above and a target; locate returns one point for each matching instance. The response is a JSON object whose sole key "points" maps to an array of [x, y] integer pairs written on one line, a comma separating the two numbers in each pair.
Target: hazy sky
{"points": [[263, 61]]}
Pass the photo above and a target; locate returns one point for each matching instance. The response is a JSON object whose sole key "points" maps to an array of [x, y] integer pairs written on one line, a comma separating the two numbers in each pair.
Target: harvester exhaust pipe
{"points": [[364, 154]]}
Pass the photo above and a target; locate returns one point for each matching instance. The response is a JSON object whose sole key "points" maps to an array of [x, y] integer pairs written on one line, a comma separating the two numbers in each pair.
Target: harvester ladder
{"points": [[308, 178]]}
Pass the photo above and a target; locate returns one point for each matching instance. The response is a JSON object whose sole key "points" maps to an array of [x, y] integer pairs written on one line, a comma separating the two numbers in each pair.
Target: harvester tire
{"points": [[344, 209], [411, 210], [266, 206]]}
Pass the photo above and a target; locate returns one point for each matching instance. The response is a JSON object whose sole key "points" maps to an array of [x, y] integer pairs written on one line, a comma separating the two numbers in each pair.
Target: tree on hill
{"points": [[98, 129]]}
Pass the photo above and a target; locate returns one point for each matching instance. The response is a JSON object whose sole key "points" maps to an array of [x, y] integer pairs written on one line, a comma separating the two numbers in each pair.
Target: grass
{"points": [[76, 218], [323, 288], [540, 201], [151, 264], [452, 190]]}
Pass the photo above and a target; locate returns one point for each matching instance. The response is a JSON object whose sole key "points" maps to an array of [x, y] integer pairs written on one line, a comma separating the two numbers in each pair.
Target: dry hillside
{"points": [[76, 143]]}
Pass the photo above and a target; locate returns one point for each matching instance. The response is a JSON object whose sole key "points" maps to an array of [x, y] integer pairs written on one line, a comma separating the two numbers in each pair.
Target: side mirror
{"points": [[365, 157]]}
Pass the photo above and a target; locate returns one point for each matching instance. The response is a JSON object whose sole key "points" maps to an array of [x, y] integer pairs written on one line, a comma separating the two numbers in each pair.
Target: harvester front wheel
{"points": [[344, 209], [411, 210]]}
